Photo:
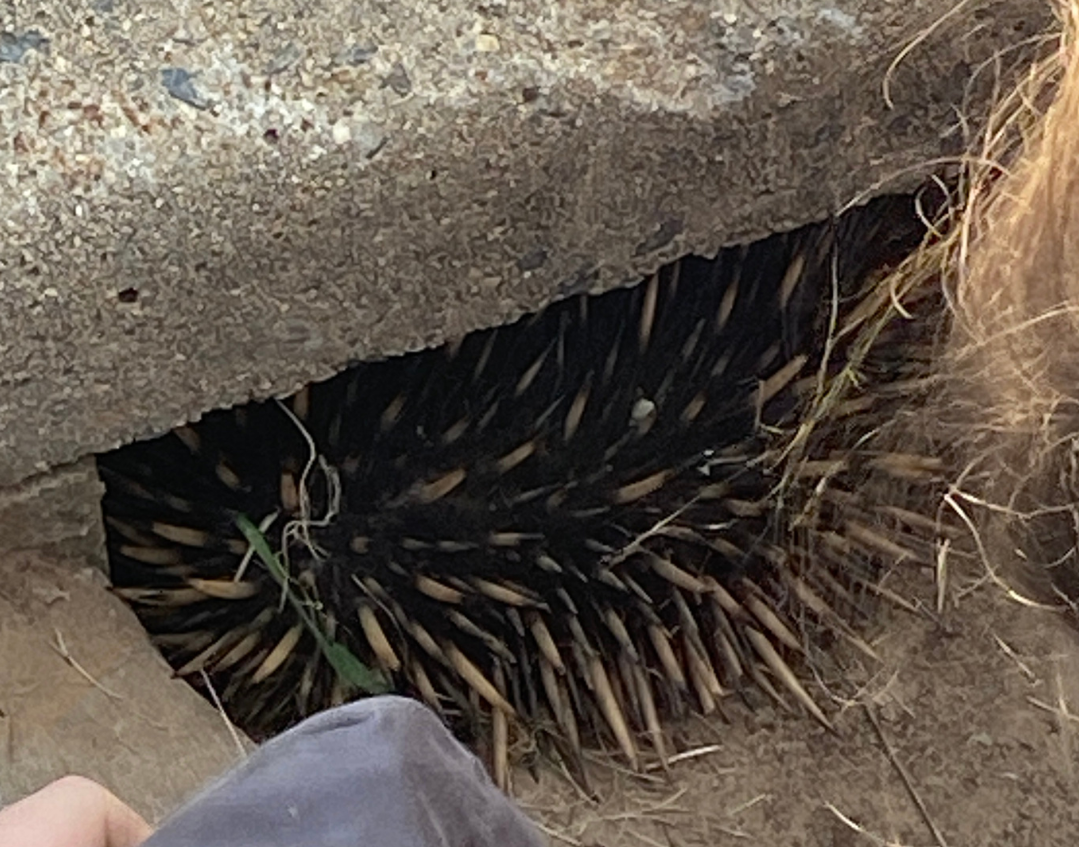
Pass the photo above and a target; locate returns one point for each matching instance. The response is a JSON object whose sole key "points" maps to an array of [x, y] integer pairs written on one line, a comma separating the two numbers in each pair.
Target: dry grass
{"points": [[1000, 405], [1007, 406]]}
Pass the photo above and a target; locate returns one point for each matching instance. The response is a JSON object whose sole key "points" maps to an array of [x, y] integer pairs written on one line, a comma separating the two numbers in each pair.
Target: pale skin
{"points": [[71, 812]]}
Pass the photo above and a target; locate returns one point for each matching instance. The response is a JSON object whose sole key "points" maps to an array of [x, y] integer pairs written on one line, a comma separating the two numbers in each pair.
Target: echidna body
{"points": [[569, 522]]}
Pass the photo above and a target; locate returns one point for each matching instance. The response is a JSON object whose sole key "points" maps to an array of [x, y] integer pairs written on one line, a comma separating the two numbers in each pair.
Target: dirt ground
{"points": [[973, 710], [976, 746]]}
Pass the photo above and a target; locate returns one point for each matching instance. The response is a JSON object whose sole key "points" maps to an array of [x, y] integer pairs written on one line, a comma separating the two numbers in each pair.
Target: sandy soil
{"points": [[972, 709]]}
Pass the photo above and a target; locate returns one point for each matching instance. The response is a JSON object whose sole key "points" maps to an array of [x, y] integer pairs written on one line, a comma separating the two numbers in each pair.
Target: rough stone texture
{"points": [[58, 512], [203, 202], [148, 737]]}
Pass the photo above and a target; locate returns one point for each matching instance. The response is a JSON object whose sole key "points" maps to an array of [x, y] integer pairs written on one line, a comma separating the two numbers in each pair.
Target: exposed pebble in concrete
{"points": [[397, 79], [181, 85], [13, 46]]}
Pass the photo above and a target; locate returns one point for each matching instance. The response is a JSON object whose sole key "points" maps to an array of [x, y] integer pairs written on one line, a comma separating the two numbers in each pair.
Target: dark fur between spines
{"points": [[490, 489]]}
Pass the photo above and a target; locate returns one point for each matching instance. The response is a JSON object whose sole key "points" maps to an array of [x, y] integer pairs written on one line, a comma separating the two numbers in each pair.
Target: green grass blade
{"points": [[345, 663]]}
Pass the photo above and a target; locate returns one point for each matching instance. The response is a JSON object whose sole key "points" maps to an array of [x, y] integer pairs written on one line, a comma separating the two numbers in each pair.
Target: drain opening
{"points": [[576, 527]]}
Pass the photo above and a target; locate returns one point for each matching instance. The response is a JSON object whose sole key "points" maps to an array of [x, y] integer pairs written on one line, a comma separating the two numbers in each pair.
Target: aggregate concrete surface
{"points": [[206, 202]]}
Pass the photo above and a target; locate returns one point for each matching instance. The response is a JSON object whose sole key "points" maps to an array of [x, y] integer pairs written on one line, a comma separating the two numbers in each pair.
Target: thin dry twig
{"points": [[685, 756], [861, 830], [1061, 713], [1011, 654], [987, 562], [1067, 731], [905, 776], [941, 573], [61, 648], [640, 836], [249, 554], [748, 804], [609, 763], [221, 711]]}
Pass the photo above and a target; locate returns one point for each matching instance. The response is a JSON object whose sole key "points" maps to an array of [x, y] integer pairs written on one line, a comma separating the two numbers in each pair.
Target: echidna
{"points": [[575, 523]]}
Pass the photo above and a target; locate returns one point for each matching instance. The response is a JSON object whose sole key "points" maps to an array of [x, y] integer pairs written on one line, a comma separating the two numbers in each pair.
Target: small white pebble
{"points": [[342, 132], [487, 43], [643, 409]]}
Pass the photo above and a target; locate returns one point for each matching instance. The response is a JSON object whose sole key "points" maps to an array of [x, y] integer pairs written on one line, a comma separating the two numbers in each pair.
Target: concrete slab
{"points": [[112, 711], [205, 202], [56, 513]]}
